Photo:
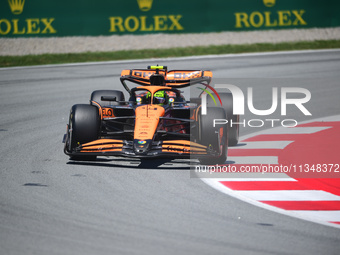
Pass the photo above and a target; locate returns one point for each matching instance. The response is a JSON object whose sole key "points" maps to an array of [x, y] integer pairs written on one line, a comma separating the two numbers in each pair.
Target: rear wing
{"points": [[173, 78]]}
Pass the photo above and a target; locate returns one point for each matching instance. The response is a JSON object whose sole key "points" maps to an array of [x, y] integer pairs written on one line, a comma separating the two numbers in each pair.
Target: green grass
{"points": [[8, 61]]}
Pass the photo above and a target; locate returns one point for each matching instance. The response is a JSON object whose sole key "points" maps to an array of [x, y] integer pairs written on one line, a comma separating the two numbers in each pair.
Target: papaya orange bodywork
{"points": [[147, 119], [174, 78], [183, 146], [139, 127], [125, 72], [103, 145]]}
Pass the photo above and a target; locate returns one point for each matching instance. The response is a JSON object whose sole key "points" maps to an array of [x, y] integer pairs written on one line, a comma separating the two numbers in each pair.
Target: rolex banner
{"points": [[31, 18]]}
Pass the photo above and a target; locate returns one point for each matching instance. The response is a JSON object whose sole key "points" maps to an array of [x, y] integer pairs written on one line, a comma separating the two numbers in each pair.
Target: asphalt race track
{"points": [[50, 205]]}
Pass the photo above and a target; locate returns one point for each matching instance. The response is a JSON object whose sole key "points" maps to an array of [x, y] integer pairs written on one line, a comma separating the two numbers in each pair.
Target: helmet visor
{"points": [[158, 100]]}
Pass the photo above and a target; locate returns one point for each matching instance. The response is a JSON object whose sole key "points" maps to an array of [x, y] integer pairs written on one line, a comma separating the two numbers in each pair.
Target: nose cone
{"points": [[147, 119], [141, 147]]}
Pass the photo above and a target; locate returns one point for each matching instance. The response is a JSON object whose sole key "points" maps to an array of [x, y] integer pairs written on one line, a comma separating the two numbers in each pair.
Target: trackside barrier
{"points": [[41, 18]]}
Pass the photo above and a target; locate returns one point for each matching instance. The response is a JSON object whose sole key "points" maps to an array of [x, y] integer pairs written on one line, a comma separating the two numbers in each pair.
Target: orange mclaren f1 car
{"points": [[156, 120]]}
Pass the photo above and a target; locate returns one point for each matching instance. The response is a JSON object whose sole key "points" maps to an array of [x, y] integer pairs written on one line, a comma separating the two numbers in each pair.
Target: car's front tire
{"points": [[227, 105], [215, 138], [84, 125]]}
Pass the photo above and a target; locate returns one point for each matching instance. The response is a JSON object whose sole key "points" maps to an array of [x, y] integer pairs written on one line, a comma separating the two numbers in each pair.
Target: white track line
{"points": [[260, 178], [296, 130], [296, 214], [254, 159], [289, 195], [263, 145], [278, 129], [320, 217]]}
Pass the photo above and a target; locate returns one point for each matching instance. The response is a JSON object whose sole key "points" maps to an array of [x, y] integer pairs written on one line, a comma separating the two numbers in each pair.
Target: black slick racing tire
{"points": [[227, 105], [84, 125], [215, 138]]}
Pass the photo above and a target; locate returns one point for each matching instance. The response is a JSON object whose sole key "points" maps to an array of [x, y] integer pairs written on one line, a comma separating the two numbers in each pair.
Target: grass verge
{"points": [[44, 59]]}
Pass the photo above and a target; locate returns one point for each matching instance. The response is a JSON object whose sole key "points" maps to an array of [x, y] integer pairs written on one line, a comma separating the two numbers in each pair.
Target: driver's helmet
{"points": [[160, 97]]}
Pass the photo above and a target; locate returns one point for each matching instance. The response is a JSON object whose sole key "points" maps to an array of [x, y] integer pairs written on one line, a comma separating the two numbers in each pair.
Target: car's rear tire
{"points": [[84, 125], [227, 105], [97, 97], [214, 137]]}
